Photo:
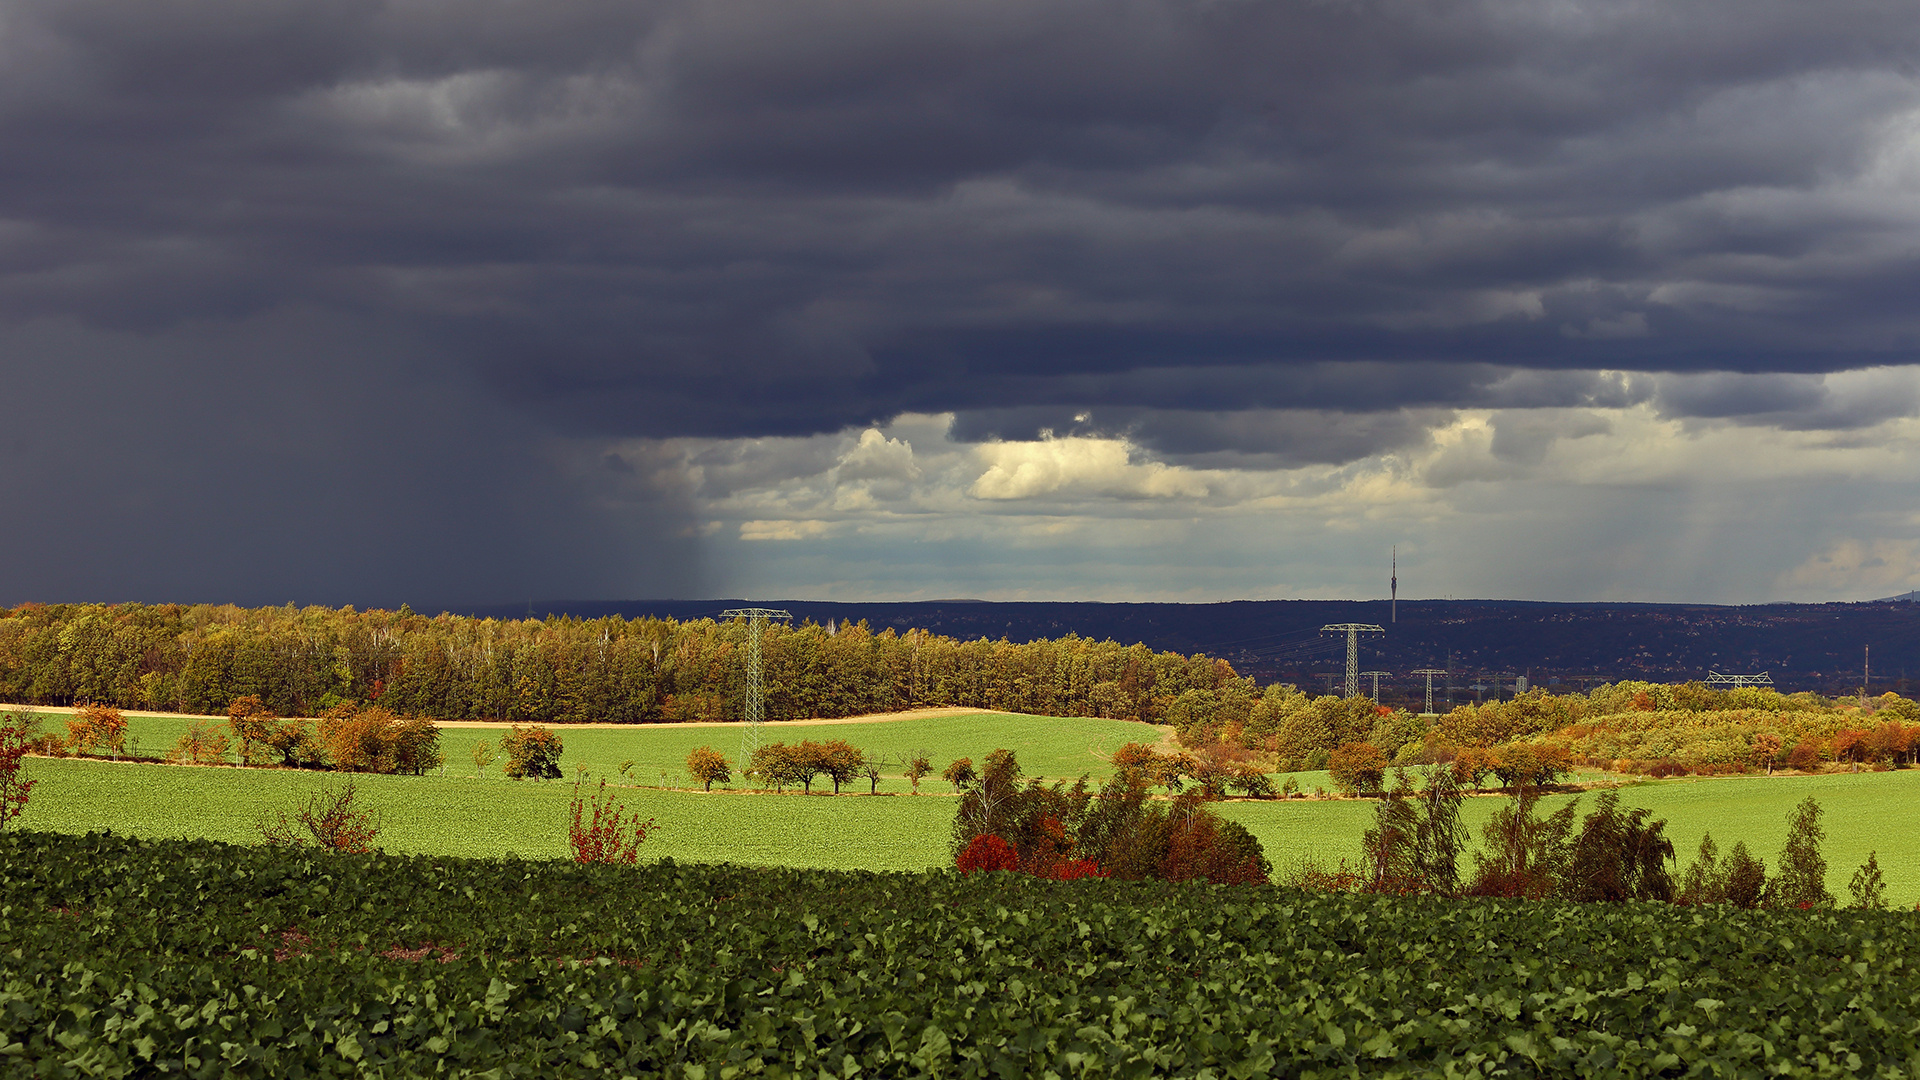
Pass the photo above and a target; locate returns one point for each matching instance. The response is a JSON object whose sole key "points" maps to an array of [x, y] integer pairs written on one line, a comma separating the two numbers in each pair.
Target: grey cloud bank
{"points": [[456, 302]]}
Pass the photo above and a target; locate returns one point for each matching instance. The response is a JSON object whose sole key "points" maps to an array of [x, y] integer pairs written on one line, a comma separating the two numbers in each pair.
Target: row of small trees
{"points": [[1361, 768], [1417, 845], [1211, 773], [784, 765], [347, 738]]}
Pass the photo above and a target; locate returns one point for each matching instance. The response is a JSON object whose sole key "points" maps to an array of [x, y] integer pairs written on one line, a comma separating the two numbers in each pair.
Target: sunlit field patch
{"points": [[457, 812]]}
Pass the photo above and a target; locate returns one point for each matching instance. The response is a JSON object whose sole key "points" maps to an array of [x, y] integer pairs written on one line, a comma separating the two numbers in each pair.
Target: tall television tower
{"points": [[1393, 585]]}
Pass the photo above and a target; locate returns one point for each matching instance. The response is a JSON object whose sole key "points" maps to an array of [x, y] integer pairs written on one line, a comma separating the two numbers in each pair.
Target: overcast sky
{"points": [[467, 302]]}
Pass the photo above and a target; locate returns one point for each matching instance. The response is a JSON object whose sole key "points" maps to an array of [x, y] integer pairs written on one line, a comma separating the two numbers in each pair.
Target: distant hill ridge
{"points": [[1803, 646]]}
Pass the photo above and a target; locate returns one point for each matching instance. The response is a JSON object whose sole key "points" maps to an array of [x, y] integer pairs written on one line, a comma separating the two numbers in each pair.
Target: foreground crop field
{"points": [[277, 964]]}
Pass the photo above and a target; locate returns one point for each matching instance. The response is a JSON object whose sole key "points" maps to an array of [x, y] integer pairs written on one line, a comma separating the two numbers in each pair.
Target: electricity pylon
{"points": [[1430, 673], [1376, 682], [1714, 678], [1353, 630], [756, 689]]}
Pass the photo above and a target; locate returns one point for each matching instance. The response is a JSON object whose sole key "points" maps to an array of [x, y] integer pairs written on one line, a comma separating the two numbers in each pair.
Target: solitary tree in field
{"points": [[1472, 765], [870, 768], [202, 744], [97, 726], [1530, 765], [482, 757], [252, 723], [532, 751], [1357, 767], [1800, 880], [960, 774], [919, 764], [772, 763], [709, 767], [1869, 887]]}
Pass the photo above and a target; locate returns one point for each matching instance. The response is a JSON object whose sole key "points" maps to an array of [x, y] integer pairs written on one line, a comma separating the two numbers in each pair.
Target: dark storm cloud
{"points": [[586, 219], [1791, 402], [296, 457]]}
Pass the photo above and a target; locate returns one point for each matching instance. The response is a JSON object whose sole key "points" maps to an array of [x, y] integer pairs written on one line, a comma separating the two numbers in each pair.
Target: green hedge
{"points": [[148, 958]]}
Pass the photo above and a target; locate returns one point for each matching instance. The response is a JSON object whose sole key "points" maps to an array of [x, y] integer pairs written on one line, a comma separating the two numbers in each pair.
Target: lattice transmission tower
{"points": [[1376, 682], [756, 687], [1353, 630], [1714, 678], [1430, 673]]}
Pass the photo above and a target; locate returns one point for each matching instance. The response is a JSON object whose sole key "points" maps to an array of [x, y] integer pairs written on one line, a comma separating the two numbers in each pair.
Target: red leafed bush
{"points": [[602, 832], [1074, 870], [990, 852], [16, 736], [987, 852]]}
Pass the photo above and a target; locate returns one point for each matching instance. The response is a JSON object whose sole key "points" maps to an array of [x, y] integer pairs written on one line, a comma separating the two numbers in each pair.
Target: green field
{"points": [[1047, 746], [454, 812], [1864, 812]]}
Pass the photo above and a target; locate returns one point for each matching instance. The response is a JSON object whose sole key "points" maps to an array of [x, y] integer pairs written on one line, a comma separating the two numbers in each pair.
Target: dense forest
{"points": [[303, 661]]}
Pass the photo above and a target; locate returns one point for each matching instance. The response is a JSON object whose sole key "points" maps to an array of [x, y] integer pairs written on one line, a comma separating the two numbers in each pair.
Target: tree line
{"points": [[304, 661], [1629, 727]]}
